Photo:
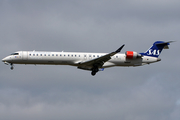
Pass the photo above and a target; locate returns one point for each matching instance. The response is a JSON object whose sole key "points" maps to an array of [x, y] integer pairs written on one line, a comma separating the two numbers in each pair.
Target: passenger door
{"points": [[24, 55]]}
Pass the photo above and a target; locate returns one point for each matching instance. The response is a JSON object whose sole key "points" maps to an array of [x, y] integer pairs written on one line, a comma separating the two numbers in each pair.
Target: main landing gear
{"points": [[94, 71], [12, 66]]}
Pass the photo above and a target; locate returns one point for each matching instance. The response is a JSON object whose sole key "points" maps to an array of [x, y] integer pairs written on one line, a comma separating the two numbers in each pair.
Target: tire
{"points": [[93, 73]]}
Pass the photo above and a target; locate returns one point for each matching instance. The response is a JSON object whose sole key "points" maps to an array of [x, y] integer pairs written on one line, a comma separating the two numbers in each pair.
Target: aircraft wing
{"points": [[98, 62]]}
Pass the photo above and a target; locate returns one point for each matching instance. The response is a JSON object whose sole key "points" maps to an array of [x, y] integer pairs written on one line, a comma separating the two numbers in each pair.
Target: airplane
{"points": [[93, 62]]}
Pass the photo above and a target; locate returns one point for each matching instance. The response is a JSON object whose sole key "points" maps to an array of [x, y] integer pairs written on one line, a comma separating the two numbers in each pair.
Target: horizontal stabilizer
{"points": [[165, 44]]}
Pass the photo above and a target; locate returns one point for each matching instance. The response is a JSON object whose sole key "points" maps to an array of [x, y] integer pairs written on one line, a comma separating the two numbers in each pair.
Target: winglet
{"points": [[119, 50]]}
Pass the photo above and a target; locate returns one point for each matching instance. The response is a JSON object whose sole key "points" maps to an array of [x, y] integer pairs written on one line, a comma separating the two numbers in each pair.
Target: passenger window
{"points": [[36, 54], [97, 55], [48, 54], [56, 54], [60, 55], [93, 55], [40, 54], [52, 54], [71, 55], [75, 55], [64, 55], [33, 54], [44, 54], [79, 56], [29, 54]]}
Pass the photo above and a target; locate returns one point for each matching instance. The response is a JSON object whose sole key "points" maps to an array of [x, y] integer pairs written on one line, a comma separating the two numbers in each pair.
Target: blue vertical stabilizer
{"points": [[156, 48]]}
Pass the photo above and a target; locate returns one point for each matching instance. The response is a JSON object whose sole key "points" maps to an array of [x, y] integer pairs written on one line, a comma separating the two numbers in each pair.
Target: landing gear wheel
{"points": [[12, 67], [93, 73]]}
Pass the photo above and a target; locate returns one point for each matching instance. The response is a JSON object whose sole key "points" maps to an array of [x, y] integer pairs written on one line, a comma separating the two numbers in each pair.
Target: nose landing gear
{"points": [[12, 66]]}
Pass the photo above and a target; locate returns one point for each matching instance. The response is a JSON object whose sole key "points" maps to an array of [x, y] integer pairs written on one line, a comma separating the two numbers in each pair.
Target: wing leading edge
{"points": [[97, 63]]}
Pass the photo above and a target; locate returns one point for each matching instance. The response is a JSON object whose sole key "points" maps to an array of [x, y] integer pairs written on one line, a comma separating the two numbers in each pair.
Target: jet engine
{"points": [[132, 55]]}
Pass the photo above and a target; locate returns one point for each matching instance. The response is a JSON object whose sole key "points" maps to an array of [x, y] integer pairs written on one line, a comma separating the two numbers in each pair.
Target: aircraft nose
{"points": [[6, 59], [3, 60]]}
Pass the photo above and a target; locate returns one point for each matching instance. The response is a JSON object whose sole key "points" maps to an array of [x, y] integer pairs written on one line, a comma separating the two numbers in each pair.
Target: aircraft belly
{"points": [[127, 62]]}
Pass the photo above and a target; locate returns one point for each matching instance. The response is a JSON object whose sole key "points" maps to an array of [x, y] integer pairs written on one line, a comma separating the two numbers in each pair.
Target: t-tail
{"points": [[156, 48]]}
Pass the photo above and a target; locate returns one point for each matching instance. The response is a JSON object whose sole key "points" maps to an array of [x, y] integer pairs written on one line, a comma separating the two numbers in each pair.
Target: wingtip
{"points": [[119, 50], [122, 46]]}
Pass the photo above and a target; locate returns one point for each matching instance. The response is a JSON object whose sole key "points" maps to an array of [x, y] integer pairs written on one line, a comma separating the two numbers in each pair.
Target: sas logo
{"points": [[17, 56], [153, 52]]}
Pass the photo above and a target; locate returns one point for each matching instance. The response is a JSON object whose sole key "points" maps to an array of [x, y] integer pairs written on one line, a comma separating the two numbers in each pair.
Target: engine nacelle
{"points": [[132, 55]]}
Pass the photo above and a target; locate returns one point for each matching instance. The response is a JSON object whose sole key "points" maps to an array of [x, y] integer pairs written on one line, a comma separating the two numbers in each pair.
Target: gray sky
{"points": [[149, 92]]}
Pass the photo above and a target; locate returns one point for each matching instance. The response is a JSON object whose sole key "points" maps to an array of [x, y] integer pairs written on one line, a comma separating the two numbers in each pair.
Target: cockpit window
{"points": [[15, 54]]}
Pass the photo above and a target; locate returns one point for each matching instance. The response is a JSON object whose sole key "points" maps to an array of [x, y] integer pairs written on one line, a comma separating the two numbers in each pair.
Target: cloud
{"points": [[141, 102]]}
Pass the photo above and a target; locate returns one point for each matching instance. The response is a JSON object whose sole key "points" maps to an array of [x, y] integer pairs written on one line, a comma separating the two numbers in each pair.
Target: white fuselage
{"points": [[73, 58]]}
